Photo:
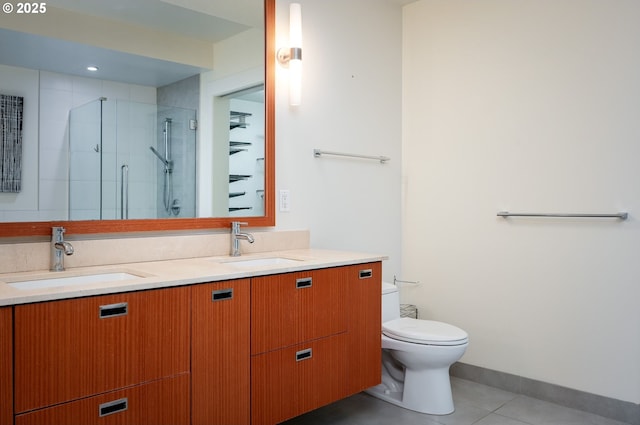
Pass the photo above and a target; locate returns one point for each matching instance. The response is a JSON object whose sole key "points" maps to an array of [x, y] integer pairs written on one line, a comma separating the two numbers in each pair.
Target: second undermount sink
{"points": [[54, 282], [265, 261]]}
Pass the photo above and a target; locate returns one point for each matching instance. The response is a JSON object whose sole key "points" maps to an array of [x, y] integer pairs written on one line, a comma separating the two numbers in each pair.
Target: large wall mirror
{"points": [[172, 130]]}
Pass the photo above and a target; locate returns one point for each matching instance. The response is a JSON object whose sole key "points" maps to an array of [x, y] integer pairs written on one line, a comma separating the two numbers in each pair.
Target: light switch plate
{"points": [[285, 200]]}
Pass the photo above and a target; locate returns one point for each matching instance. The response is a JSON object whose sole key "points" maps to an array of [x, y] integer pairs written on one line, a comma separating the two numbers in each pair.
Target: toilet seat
{"points": [[427, 332]]}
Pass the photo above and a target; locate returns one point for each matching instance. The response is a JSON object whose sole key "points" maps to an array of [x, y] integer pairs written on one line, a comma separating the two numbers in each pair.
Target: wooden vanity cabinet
{"points": [[73, 349], [248, 351], [220, 353], [6, 366], [315, 339], [365, 327]]}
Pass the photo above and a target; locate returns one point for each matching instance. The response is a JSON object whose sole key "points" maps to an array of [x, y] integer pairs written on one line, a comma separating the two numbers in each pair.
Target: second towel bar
{"points": [[318, 153], [620, 215]]}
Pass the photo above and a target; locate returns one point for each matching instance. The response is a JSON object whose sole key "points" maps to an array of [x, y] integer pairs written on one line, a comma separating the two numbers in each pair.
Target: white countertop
{"points": [[168, 273]]}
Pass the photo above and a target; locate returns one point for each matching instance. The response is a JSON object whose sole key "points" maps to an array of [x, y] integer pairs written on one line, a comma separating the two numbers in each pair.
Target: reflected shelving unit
{"points": [[243, 160]]}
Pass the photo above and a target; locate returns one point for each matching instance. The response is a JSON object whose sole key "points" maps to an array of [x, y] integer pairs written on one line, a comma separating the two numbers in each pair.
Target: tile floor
{"points": [[475, 404]]}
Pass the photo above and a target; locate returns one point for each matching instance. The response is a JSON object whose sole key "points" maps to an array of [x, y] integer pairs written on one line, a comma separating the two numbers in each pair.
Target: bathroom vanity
{"points": [[195, 341]]}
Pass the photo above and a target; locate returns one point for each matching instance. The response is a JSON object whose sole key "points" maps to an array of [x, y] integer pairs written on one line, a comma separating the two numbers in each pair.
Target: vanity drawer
{"points": [[294, 380], [163, 402], [289, 308], [69, 349]]}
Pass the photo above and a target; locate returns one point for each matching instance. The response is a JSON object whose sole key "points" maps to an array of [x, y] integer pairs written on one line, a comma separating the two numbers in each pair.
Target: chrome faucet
{"points": [[59, 248], [236, 236]]}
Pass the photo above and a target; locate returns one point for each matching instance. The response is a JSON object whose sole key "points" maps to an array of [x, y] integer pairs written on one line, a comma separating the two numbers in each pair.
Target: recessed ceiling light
{"points": [[92, 68]]}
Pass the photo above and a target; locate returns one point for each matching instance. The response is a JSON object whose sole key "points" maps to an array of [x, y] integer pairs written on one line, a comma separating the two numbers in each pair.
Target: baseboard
{"points": [[603, 406]]}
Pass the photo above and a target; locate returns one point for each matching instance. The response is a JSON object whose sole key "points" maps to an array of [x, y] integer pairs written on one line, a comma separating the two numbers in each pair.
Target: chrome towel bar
{"points": [[318, 153], [620, 215]]}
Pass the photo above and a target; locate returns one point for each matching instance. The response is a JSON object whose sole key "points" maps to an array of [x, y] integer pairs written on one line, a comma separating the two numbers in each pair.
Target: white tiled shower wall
{"points": [[128, 129], [59, 94], [49, 97]]}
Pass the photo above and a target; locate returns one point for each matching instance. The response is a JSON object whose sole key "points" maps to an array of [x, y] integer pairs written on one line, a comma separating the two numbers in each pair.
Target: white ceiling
{"points": [[38, 52], [209, 20], [185, 17], [403, 2]]}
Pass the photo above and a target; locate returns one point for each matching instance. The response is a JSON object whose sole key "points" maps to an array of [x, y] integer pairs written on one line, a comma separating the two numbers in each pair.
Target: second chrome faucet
{"points": [[236, 236], [59, 248]]}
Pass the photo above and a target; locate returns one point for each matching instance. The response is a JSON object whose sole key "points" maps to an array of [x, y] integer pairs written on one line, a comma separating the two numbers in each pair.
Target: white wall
{"points": [[527, 106], [351, 102], [22, 206]]}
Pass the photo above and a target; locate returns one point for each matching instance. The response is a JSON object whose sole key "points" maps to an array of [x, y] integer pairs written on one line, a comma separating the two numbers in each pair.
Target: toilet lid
{"points": [[427, 332]]}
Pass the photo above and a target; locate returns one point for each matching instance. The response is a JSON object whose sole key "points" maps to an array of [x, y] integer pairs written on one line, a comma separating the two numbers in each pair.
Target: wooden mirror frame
{"points": [[43, 228]]}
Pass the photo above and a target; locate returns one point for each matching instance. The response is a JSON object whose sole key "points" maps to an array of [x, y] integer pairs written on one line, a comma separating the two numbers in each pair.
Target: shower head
{"points": [[166, 162]]}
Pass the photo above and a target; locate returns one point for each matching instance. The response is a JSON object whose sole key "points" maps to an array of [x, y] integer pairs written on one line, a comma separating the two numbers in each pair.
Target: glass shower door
{"points": [[119, 157], [85, 162]]}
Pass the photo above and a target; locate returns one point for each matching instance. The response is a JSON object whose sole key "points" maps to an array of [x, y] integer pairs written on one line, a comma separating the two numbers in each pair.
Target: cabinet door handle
{"points": [[366, 274], [114, 310], [303, 354], [222, 294], [305, 282], [112, 407]]}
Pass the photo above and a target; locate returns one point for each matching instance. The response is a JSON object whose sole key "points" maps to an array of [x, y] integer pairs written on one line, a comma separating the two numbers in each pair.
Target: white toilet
{"points": [[416, 356]]}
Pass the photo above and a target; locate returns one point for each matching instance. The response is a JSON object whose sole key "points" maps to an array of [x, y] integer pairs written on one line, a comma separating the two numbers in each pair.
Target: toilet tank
{"points": [[390, 302]]}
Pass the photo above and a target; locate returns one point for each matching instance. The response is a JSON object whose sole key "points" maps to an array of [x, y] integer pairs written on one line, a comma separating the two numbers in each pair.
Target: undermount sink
{"points": [[54, 282], [256, 262]]}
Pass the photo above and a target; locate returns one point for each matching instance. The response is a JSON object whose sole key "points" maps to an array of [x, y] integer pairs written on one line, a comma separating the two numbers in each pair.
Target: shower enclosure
{"points": [[131, 160]]}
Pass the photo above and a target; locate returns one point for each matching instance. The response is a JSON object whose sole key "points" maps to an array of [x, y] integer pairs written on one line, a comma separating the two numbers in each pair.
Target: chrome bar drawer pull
{"points": [[304, 282], [114, 310], [222, 294], [366, 274], [112, 407], [303, 354]]}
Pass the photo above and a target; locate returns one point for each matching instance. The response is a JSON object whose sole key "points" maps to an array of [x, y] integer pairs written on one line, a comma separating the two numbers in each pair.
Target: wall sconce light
{"points": [[292, 55]]}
